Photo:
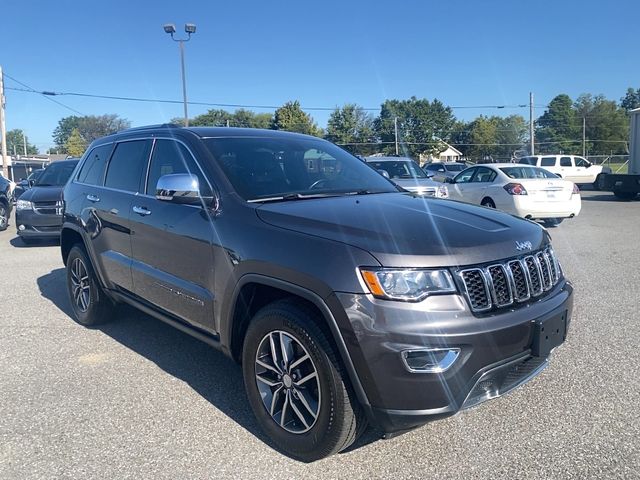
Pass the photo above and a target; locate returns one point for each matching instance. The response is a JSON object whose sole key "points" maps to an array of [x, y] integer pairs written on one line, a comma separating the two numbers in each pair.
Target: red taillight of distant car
{"points": [[515, 189]]}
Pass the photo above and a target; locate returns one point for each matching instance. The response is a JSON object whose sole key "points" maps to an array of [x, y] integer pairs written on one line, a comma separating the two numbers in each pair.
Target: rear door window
{"points": [[548, 162], [484, 175], [127, 164], [566, 162], [92, 172], [465, 177]]}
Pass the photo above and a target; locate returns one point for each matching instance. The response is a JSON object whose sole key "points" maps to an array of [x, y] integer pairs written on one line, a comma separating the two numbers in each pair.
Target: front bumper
{"points": [[32, 224], [497, 352]]}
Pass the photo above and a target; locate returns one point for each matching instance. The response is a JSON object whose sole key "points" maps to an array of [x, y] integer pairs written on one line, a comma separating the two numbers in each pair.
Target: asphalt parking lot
{"points": [[138, 399]]}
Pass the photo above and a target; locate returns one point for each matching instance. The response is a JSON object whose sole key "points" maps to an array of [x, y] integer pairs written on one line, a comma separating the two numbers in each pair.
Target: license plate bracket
{"points": [[548, 333]]}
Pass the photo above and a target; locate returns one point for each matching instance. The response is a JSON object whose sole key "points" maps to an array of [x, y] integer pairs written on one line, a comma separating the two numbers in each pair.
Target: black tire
{"points": [[4, 216], [339, 418], [487, 202], [91, 307], [625, 195], [552, 222]]}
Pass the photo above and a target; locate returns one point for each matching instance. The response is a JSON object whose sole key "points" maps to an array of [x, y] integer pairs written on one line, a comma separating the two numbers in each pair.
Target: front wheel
{"points": [[296, 385]]}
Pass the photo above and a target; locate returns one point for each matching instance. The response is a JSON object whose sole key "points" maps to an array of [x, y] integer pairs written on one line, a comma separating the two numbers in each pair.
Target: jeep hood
{"points": [[405, 230]]}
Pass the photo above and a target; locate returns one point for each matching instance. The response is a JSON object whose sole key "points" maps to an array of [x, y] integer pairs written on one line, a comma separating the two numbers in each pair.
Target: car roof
{"points": [[68, 160], [504, 164]]}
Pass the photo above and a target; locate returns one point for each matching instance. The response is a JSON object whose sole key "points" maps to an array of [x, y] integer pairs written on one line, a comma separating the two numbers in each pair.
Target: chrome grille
{"points": [[502, 284], [48, 208]]}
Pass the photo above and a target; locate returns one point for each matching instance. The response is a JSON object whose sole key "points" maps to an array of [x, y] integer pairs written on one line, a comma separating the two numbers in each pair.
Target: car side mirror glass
{"points": [[430, 174], [179, 188]]}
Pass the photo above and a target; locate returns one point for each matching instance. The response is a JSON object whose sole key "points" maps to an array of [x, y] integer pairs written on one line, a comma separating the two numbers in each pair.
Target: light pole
{"points": [[189, 28]]}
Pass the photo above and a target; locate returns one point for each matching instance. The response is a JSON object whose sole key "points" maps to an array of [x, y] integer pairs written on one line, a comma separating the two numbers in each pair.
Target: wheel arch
{"points": [[253, 291]]}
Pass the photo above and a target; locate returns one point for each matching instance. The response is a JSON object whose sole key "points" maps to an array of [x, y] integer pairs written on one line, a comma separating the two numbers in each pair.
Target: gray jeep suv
{"points": [[348, 301]]}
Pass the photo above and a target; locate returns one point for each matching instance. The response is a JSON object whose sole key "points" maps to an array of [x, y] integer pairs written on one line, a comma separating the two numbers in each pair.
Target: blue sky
{"points": [[323, 54]]}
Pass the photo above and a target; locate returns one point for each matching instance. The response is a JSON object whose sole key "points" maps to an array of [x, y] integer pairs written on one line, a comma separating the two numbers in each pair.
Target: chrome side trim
{"points": [[440, 367]]}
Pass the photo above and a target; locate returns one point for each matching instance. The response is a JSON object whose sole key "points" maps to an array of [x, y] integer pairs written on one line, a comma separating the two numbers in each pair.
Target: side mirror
{"points": [[179, 188], [430, 174], [31, 182], [449, 180], [384, 173]]}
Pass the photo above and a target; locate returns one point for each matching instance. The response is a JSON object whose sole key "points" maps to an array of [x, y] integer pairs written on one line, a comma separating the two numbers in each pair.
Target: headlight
{"points": [[24, 205], [409, 285], [442, 192]]}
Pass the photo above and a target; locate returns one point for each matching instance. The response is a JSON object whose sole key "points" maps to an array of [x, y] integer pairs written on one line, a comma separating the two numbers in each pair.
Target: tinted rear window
{"points": [[455, 168], [93, 169], [127, 164], [527, 172], [528, 160], [548, 162]]}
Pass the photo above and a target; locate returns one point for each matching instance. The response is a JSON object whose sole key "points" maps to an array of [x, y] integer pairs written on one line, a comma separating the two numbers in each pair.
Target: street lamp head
{"points": [[190, 28], [169, 28]]}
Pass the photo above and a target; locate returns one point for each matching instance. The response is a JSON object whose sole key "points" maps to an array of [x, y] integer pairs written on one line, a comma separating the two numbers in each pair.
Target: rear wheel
{"points": [[296, 384], [487, 202], [4, 216], [89, 303], [552, 222]]}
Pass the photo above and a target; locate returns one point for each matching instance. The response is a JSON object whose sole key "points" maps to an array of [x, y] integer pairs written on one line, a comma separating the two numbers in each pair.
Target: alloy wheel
{"points": [[288, 382], [3, 216], [80, 286]]}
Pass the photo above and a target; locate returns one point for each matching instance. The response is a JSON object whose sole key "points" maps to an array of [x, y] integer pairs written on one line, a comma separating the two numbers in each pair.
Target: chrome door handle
{"points": [[141, 210], [93, 198]]}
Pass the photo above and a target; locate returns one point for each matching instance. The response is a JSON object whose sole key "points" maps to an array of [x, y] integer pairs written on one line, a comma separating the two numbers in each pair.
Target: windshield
{"points": [[56, 174], [456, 167], [400, 168], [268, 167], [527, 172]]}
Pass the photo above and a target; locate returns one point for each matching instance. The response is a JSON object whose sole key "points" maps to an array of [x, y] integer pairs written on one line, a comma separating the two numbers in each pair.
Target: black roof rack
{"points": [[149, 127]]}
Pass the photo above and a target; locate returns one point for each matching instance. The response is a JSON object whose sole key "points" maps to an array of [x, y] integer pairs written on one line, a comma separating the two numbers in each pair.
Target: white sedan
{"points": [[522, 190]]}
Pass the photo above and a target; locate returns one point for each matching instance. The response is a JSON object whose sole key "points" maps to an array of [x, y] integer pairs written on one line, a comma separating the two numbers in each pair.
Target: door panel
{"points": [[173, 264]]}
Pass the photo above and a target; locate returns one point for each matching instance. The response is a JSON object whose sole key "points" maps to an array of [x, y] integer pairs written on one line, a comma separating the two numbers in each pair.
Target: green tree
{"points": [[511, 135], [222, 118], [484, 137], [557, 130], [351, 125], [631, 100], [76, 145], [15, 143], [606, 124], [422, 125], [292, 118], [89, 127]]}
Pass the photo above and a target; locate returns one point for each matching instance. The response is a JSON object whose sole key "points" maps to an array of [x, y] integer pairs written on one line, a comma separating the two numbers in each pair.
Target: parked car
{"points": [[5, 202], [26, 183], [442, 170], [39, 209], [528, 192], [570, 167], [407, 174], [346, 300]]}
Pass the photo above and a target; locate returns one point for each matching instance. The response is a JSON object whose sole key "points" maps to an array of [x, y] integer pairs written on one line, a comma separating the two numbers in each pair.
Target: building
{"points": [[449, 154]]}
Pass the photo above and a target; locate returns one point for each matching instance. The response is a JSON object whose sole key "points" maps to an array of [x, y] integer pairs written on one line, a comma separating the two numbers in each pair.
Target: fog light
{"points": [[21, 228], [430, 360]]}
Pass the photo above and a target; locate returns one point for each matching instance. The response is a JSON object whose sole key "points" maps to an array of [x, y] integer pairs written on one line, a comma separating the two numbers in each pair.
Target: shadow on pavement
{"points": [[606, 197], [217, 378], [19, 242]]}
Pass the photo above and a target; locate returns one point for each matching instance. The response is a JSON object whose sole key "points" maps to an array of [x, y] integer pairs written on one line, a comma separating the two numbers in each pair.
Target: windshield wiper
{"points": [[293, 196]]}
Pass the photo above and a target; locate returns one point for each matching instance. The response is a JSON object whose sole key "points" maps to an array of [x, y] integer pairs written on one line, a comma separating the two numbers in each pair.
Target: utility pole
{"points": [[24, 143], [3, 129], [584, 137], [531, 131], [395, 127]]}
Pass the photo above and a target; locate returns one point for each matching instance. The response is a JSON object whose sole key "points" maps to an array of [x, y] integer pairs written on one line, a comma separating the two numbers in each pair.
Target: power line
{"points": [[50, 93], [32, 90]]}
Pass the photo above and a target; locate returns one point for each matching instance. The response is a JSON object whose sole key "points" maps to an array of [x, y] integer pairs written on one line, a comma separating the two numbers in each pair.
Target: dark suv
{"points": [[6, 203], [346, 300]]}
